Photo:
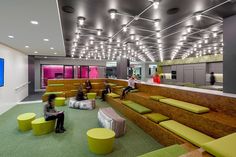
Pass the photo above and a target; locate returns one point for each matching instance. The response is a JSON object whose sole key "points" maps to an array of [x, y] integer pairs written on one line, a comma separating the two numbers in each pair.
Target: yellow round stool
{"points": [[100, 140], [24, 121], [41, 127], [60, 101], [91, 95]]}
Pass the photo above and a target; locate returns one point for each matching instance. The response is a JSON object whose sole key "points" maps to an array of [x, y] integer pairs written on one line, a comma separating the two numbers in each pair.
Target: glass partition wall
{"points": [[67, 72]]}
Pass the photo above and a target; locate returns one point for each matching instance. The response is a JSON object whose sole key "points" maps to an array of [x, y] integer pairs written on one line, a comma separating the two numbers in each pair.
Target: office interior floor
{"points": [[72, 143], [34, 96]]}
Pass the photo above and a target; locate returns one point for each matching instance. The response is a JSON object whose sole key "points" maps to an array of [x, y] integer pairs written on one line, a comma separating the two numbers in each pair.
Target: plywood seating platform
{"points": [[58, 94], [171, 151], [189, 134], [136, 107], [56, 85], [214, 124], [222, 147], [159, 133]]}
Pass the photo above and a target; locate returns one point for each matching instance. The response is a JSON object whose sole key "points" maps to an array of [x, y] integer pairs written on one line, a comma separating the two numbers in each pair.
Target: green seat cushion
{"points": [[189, 134], [157, 97], [136, 107], [186, 106], [171, 151], [55, 85], [112, 84], [157, 117], [119, 86], [222, 147], [60, 98], [95, 83], [48, 93], [133, 90], [113, 95]]}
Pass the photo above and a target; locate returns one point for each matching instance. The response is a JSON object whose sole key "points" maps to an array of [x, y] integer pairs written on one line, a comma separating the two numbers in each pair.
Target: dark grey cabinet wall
{"points": [[194, 73]]}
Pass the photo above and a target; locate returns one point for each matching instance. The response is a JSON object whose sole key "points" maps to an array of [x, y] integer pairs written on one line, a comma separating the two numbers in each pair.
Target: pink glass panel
{"points": [[68, 72], [84, 71], [93, 72], [51, 72], [78, 72]]}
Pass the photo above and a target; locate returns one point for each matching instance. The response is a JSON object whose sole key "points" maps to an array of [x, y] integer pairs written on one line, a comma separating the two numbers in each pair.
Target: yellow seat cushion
{"points": [[157, 97], [24, 121], [185, 105], [136, 107], [157, 117], [100, 140], [222, 147], [113, 95], [41, 127], [189, 134], [171, 151]]}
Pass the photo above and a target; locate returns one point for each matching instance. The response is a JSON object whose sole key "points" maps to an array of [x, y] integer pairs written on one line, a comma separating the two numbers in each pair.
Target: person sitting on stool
{"points": [[131, 86], [106, 90], [50, 113]]}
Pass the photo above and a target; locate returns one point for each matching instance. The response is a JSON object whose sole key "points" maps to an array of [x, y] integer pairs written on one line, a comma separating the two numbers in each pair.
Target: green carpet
{"points": [[72, 143]]}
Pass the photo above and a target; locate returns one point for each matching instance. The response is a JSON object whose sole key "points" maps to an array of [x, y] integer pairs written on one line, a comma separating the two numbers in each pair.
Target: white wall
{"points": [[65, 61], [15, 75]]}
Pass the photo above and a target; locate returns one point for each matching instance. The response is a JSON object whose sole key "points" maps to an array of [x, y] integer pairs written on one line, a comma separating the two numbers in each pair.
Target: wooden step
{"points": [[159, 133], [214, 124]]}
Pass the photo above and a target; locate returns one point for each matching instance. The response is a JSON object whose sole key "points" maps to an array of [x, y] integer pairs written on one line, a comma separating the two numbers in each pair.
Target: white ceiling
{"points": [[15, 17]]}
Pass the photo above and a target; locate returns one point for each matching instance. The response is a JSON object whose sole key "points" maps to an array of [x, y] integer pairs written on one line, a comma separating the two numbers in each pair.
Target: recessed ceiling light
{"points": [[52, 48], [55, 53], [112, 13], [26, 46], [34, 22], [10, 36], [45, 39], [81, 20], [45, 57], [35, 52]]}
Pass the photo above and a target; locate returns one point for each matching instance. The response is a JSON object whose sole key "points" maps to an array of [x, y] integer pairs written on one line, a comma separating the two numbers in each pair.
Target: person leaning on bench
{"points": [[106, 90], [131, 86], [50, 113]]}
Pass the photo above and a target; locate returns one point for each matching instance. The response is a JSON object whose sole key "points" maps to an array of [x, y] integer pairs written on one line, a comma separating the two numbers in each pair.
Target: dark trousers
{"points": [[104, 92], [126, 90], [60, 120]]}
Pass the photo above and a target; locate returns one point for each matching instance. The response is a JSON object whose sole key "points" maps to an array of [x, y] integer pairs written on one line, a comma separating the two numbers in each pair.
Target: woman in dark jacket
{"points": [[80, 94], [88, 86]]}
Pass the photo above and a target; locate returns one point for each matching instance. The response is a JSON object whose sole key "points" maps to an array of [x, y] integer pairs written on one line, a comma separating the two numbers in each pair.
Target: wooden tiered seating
{"points": [[214, 124]]}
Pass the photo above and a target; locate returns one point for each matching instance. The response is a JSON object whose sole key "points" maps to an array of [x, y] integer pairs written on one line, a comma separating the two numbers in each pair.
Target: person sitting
{"points": [[88, 86], [50, 113], [131, 86], [106, 90], [80, 94]]}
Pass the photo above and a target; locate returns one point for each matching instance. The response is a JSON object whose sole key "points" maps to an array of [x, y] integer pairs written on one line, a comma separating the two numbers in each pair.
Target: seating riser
{"points": [[196, 121], [216, 103], [159, 133]]}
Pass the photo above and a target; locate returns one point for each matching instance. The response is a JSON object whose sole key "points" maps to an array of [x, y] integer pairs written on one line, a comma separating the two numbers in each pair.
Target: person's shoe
{"points": [[59, 131], [63, 129]]}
